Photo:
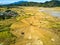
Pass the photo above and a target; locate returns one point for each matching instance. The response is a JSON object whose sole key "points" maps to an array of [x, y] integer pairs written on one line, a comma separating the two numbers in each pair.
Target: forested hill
{"points": [[53, 3]]}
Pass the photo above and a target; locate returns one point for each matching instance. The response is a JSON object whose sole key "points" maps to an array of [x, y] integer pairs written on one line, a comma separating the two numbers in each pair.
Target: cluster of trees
{"points": [[52, 3]]}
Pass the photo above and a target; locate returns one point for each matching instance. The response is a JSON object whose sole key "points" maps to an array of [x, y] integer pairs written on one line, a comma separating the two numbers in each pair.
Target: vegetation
{"points": [[52, 3], [30, 26], [5, 35], [39, 26], [46, 4], [7, 14]]}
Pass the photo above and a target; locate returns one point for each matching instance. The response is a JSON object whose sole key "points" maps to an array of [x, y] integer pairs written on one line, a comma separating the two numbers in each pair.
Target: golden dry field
{"points": [[30, 27]]}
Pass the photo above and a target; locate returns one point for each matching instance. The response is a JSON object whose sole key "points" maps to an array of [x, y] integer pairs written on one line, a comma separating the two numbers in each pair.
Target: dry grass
{"points": [[33, 27]]}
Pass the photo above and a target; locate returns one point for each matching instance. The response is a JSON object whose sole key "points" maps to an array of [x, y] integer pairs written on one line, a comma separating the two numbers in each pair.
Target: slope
{"points": [[35, 29]]}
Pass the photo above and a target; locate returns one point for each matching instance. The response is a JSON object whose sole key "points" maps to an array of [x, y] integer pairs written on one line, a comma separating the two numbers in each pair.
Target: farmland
{"points": [[30, 27]]}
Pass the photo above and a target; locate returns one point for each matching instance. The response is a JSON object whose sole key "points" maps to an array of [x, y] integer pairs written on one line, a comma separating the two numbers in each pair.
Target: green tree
{"points": [[54, 0]]}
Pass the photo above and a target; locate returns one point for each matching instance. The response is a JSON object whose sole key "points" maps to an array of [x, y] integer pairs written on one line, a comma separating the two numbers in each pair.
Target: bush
{"points": [[7, 14]]}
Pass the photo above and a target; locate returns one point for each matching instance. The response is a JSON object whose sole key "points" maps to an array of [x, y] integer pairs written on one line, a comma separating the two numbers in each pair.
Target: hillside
{"points": [[30, 27], [38, 28], [52, 3]]}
